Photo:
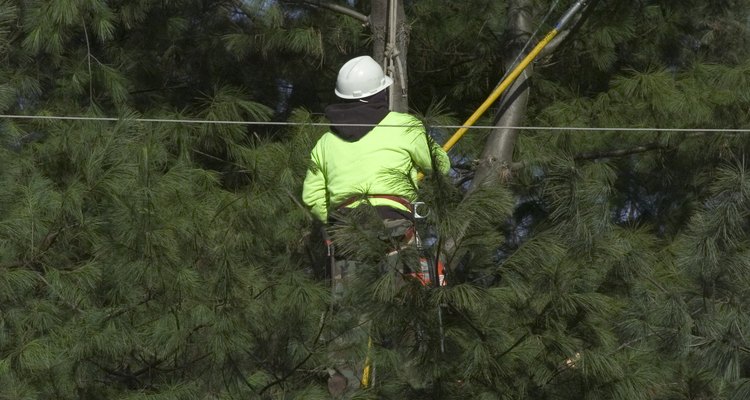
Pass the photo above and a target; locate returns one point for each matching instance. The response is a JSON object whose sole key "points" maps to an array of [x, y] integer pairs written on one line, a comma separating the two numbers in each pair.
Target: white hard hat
{"points": [[361, 77]]}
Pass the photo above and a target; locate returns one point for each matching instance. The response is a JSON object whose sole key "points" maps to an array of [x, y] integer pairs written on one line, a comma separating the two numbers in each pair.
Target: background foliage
{"points": [[173, 261]]}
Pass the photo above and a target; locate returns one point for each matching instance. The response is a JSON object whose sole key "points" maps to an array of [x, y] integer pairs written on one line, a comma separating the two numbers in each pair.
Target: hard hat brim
{"points": [[387, 81]]}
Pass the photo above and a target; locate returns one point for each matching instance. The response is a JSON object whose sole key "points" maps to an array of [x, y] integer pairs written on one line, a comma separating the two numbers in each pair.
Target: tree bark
{"points": [[496, 162], [379, 27], [497, 156]]}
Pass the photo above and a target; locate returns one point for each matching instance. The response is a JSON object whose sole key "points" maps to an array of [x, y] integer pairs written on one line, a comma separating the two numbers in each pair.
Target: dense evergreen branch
{"points": [[633, 301], [123, 375], [160, 89], [310, 353], [239, 373], [589, 156], [482, 336], [49, 239], [70, 304], [333, 7], [630, 342], [620, 152], [183, 365], [517, 343]]}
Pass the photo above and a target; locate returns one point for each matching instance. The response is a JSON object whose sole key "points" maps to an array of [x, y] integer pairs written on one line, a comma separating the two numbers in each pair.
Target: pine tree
{"points": [[163, 260], [143, 259]]}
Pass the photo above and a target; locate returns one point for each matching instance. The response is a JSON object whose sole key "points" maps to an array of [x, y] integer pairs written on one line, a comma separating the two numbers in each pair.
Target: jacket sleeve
{"points": [[314, 188], [424, 150], [440, 156]]}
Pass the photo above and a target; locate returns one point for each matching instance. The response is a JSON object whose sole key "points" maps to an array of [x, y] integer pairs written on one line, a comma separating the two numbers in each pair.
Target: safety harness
{"points": [[400, 200]]}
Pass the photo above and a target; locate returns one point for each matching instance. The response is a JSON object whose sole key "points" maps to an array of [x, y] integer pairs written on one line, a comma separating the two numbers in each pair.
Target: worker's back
{"points": [[382, 161]]}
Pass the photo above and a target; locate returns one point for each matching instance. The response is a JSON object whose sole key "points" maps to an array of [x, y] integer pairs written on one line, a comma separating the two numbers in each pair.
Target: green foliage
{"points": [[143, 260]]}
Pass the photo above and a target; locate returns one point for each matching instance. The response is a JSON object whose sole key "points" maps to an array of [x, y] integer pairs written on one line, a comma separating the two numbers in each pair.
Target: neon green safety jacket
{"points": [[382, 162]]}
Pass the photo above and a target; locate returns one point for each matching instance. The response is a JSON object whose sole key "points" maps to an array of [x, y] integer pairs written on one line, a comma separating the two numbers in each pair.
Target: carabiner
{"points": [[415, 207]]}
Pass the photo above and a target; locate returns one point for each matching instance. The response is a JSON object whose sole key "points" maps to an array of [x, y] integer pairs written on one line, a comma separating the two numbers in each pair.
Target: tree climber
{"points": [[370, 157], [358, 162]]}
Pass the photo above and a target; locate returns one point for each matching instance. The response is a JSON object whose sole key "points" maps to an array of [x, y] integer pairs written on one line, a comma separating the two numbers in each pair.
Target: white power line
{"points": [[281, 123]]}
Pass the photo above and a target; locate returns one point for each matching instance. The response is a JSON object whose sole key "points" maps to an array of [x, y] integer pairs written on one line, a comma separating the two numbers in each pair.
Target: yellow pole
{"points": [[500, 89], [566, 18], [367, 373], [497, 92]]}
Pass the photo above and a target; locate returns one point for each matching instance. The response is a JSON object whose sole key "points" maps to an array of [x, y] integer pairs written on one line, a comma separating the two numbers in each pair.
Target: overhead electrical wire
{"points": [[288, 123]]}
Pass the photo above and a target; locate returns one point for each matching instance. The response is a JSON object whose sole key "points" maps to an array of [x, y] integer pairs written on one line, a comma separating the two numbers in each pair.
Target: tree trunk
{"points": [[379, 27], [497, 156], [379, 22]]}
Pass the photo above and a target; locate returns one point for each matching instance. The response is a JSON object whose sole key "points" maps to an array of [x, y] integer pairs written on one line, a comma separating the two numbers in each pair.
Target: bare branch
{"points": [[88, 60], [620, 152], [334, 7], [311, 351], [603, 154]]}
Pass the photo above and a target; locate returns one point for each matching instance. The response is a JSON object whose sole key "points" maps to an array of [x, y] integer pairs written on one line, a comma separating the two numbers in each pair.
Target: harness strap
{"points": [[400, 200]]}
